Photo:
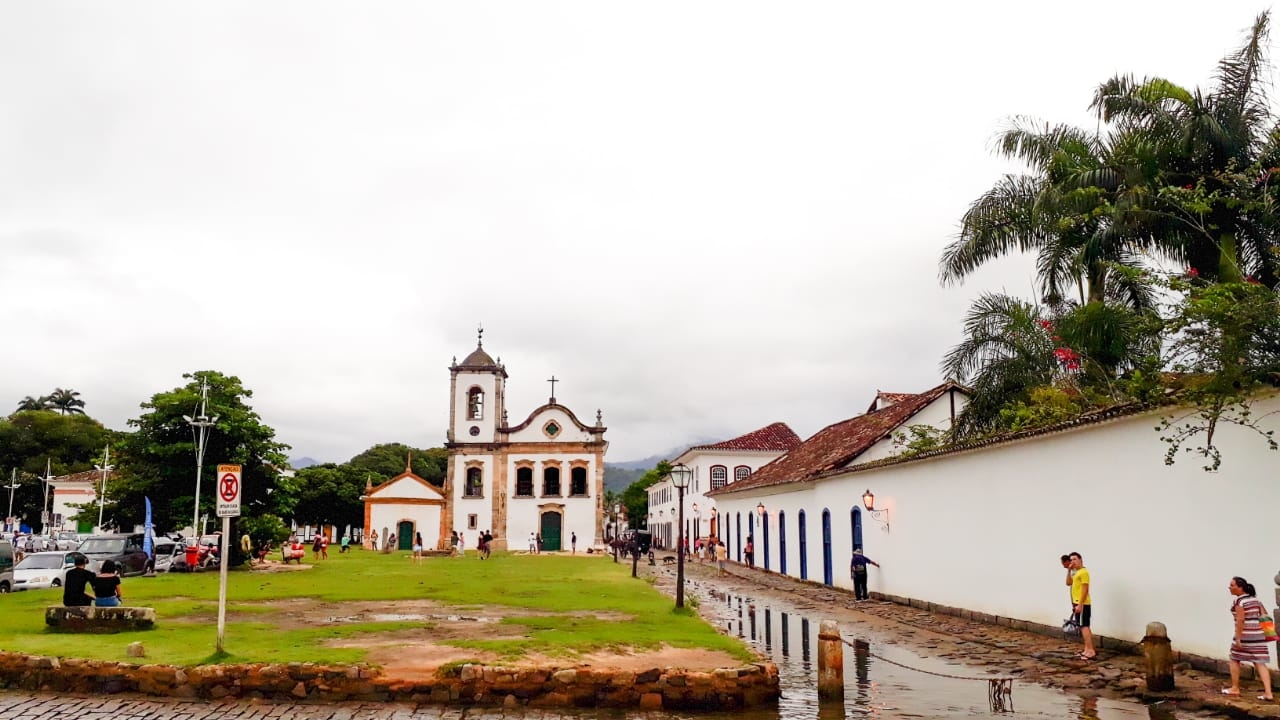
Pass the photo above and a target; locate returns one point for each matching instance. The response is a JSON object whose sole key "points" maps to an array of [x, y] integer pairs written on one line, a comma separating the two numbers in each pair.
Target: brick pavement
{"points": [[18, 705]]}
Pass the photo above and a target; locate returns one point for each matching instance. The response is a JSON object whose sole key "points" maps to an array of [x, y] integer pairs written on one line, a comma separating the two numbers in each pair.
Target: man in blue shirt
{"points": [[858, 569]]}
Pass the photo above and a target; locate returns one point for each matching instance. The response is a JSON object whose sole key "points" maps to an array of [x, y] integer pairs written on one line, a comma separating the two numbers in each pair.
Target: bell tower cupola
{"points": [[477, 392]]}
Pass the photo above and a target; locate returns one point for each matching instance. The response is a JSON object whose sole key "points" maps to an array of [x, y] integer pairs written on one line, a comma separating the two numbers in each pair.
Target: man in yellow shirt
{"points": [[1082, 604]]}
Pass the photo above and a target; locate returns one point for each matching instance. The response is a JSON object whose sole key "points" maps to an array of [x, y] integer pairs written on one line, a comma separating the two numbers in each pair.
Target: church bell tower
{"points": [[477, 392]]}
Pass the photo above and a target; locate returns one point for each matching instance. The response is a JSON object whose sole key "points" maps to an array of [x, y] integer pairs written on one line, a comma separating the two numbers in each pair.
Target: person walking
{"points": [[1249, 643], [345, 545], [417, 547], [858, 571], [462, 544], [750, 551], [533, 544], [315, 548], [488, 544], [722, 554], [453, 543], [573, 543], [1082, 604], [324, 546], [538, 543]]}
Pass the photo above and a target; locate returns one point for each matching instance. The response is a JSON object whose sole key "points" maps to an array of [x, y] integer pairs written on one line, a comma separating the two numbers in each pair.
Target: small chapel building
{"points": [[542, 476]]}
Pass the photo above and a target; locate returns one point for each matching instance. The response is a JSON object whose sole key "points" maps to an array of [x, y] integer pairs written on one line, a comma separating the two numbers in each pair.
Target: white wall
{"points": [[569, 431], [984, 529], [386, 518], [488, 382]]}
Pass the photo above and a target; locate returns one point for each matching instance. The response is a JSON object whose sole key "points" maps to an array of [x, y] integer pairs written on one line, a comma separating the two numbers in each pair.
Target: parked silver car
{"points": [[42, 570]]}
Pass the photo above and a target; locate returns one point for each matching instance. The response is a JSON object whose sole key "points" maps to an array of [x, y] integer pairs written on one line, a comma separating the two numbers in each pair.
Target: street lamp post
{"points": [[200, 425], [44, 506], [13, 485], [680, 475], [105, 467]]}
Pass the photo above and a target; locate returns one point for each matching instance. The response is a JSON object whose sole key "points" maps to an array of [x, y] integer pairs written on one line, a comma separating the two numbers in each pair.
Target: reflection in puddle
{"points": [[881, 689]]}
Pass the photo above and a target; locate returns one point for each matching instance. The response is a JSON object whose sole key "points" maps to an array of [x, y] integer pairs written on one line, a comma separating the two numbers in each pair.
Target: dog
{"points": [[668, 559]]}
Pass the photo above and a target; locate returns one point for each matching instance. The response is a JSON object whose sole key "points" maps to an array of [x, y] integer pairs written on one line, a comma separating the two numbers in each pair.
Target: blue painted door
{"points": [[782, 543], [826, 548], [804, 549]]}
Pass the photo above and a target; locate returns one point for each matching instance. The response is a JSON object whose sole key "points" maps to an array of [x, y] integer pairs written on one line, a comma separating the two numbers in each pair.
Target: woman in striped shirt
{"points": [[1250, 642]]}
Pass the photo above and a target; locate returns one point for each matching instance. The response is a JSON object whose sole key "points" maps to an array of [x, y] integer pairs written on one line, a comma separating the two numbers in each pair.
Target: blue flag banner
{"points": [[146, 536]]}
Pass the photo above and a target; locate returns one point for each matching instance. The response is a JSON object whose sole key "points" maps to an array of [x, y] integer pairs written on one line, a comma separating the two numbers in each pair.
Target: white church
{"points": [[543, 476]]}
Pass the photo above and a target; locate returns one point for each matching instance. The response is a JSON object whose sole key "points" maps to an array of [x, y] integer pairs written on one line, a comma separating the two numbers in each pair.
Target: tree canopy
{"points": [[159, 457]]}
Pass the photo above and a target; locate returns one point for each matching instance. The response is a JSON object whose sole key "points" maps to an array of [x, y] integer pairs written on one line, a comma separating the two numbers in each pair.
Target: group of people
{"points": [[104, 584], [458, 544], [1249, 642]]}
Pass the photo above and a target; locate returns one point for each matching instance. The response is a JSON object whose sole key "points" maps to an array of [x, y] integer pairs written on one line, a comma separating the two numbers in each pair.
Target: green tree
{"points": [[66, 402], [1210, 202], [383, 462], [71, 443], [33, 403], [329, 494], [635, 498], [158, 459]]}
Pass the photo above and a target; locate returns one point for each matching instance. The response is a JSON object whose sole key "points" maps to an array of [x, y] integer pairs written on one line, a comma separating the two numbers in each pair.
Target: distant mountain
{"points": [[302, 462], [619, 476]]}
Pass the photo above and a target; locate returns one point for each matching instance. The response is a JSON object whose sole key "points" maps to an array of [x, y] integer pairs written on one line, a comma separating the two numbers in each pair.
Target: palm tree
{"points": [[33, 403], [66, 401], [1209, 202], [1006, 352], [1058, 211]]}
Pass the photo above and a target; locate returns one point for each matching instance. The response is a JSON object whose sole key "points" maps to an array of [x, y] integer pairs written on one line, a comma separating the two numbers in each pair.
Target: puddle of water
{"points": [[405, 617], [788, 635]]}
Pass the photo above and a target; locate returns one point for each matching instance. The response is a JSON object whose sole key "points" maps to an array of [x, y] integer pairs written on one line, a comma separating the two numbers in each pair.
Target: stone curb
{"points": [[467, 685]]}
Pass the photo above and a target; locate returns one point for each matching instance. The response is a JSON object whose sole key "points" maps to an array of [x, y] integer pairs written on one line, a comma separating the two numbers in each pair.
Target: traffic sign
{"points": [[229, 491]]}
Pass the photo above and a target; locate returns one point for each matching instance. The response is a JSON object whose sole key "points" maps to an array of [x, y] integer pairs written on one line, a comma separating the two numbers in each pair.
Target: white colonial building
{"points": [[396, 511], [542, 476], [774, 506], [981, 527], [714, 466]]}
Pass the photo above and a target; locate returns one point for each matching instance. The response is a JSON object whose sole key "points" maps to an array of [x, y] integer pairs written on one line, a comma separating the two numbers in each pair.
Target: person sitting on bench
{"points": [[106, 586], [78, 578]]}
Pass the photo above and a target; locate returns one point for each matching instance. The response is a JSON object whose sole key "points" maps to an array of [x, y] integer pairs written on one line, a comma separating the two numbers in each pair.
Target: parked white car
{"points": [[42, 570], [166, 552]]}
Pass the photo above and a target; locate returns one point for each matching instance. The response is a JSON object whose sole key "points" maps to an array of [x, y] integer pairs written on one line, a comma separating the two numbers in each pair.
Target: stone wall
{"points": [[732, 688]]}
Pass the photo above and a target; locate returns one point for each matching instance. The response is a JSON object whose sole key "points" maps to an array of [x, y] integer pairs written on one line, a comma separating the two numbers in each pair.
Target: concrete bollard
{"points": [[830, 662], [1158, 652]]}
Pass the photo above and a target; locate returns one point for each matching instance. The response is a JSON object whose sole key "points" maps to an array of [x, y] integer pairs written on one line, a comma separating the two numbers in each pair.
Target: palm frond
{"points": [[1002, 220]]}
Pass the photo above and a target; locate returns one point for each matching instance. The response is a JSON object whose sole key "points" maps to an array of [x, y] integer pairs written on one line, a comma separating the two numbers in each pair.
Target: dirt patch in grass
{"points": [[416, 653]]}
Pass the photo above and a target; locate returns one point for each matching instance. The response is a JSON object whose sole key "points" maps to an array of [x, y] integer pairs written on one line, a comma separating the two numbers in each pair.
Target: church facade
{"points": [[541, 476]]}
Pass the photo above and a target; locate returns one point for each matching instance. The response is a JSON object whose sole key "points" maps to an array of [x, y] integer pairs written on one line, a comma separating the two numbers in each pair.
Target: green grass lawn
{"points": [[565, 595]]}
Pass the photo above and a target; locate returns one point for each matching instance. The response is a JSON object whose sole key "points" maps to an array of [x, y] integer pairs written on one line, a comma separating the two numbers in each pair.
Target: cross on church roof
{"points": [[553, 382]]}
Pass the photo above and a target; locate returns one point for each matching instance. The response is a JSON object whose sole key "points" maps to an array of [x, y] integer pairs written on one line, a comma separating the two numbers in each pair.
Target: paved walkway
{"points": [[46, 706]]}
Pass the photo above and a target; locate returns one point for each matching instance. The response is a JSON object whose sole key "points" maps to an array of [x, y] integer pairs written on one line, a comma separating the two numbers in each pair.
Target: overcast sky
{"points": [[702, 217]]}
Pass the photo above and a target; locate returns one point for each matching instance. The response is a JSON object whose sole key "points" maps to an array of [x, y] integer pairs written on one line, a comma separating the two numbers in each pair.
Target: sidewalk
{"points": [[1028, 656]]}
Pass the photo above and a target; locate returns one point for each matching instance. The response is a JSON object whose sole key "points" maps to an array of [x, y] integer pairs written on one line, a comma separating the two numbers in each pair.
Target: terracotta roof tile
{"points": [[770, 437], [85, 476], [835, 445], [891, 398]]}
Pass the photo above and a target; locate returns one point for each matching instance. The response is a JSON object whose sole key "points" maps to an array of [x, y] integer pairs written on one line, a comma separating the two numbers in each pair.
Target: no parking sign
{"points": [[229, 491]]}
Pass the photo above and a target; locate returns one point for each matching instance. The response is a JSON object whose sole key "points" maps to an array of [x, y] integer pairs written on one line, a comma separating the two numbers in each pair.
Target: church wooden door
{"points": [[404, 535], [551, 522]]}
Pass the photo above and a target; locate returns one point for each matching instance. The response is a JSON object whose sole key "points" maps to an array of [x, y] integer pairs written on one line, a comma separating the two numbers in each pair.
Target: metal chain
{"points": [[998, 688]]}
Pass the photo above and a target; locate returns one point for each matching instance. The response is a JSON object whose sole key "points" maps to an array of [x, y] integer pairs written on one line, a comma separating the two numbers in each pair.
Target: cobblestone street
{"points": [[46, 706]]}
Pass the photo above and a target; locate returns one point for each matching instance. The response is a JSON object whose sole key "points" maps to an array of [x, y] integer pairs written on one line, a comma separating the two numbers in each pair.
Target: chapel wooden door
{"points": [[551, 526]]}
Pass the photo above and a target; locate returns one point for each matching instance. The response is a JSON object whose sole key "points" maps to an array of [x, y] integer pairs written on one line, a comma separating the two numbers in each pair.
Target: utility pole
{"points": [[44, 507], [200, 425], [13, 485], [105, 467]]}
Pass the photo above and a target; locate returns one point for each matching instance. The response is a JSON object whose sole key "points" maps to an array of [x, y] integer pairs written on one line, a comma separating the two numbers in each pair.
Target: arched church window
{"points": [[475, 404], [578, 481], [524, 482], [550, 481], [742, 472], [719, 476], [475, 483]]}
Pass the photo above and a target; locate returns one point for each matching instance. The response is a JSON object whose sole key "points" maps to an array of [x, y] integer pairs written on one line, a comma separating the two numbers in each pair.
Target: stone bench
{"points": [[99, 619]]}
